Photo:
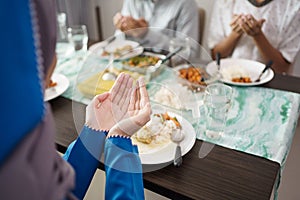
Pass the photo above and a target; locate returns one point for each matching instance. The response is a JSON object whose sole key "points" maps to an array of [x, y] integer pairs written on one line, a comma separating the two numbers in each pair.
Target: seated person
{"points": [[260, 30], [30, 167], [154, 22]]}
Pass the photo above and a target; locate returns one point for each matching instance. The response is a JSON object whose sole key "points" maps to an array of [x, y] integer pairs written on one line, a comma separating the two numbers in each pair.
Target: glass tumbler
{"points": [[217, 101], [78, 37]]}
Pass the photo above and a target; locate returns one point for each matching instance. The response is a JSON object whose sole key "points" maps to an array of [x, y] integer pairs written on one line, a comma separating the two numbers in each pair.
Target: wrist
{"points": [[97, 129], [117, 132], [258, 36], [235, 35]]}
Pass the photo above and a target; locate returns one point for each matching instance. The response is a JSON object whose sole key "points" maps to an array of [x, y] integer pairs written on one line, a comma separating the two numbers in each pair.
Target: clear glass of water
{"points": [[78, 37], [217, 101]]}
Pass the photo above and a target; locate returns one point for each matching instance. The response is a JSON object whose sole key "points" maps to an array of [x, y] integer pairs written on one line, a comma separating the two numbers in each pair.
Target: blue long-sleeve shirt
{"points": [[122, 164]]}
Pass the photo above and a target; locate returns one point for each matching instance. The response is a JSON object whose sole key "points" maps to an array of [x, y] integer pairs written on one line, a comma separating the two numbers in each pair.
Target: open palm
{"points": [[105, 110]]}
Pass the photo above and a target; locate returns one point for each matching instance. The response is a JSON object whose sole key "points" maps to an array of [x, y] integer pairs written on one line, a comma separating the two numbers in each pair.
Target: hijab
{"points": [[21, 103]]}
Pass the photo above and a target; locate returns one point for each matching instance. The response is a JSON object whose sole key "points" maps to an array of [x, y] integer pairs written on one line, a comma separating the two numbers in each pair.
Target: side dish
{"points": [[52, 84], [141, 61], [118, 52], [242, 79], [193, 75]]}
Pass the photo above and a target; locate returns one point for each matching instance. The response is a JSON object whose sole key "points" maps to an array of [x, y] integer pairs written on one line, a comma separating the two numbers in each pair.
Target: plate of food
{"points": [[118, 49], [194, 77], [141, 62], [241, 72], [58, 85], [154, 139]]}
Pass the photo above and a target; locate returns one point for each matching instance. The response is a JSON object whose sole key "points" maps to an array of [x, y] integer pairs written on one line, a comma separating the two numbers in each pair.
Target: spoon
{"points": [[108, 76], [268, 65], [177, 136]]}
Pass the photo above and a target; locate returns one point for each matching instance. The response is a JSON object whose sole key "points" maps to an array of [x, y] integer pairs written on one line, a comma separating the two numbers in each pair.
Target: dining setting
{"points": [[198, 109], [172, 99]]}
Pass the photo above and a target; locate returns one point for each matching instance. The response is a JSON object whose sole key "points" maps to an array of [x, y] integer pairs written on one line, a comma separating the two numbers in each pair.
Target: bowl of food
{"points": [[194, 77]]}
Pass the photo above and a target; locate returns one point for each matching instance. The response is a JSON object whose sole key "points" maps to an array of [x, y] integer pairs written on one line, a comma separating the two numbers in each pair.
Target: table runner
{"points": [[261, 121]]}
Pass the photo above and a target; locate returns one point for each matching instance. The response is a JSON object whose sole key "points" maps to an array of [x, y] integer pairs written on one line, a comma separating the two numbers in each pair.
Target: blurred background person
{"points": [[260, 30], [154, 22]]}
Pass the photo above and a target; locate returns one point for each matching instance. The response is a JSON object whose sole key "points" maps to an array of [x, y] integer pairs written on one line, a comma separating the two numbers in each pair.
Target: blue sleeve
{"points": [[123, 170], [84, 155]]}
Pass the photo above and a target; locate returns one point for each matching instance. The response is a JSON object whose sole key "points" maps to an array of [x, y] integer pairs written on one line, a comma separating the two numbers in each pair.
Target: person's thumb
{"points": [[100, 98], [261, 22]]}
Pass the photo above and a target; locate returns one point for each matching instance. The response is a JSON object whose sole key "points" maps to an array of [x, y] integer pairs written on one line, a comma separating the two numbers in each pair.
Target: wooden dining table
{"points": [[223, 174]]}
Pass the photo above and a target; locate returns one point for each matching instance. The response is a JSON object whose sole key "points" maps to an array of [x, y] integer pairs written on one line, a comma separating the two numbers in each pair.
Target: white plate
{"points": [[118, 43], [61, 87], [252, 68], [166, 153]]}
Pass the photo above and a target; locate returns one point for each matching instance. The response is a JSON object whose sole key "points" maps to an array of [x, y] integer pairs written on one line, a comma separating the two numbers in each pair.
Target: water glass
{"points": [[77, 35], [62, 27], [217, 101]]}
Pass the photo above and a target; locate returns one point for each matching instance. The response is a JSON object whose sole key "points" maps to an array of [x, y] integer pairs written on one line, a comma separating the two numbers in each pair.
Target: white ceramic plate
{"points": [[230, 67], [118, 43], [61, 87], [166, 153]]}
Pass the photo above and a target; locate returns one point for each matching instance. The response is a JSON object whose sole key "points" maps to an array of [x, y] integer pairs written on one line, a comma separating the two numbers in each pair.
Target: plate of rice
{"points": [[240, 72]]}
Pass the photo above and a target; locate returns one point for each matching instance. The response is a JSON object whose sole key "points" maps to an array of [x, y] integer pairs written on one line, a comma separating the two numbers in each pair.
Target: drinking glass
{"points": [[62, 27], [217, 101], [77, 35]]}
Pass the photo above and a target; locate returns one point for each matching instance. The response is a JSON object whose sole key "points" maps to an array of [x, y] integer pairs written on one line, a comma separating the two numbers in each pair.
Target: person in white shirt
{"points": [[260, 30], [154, 22]]}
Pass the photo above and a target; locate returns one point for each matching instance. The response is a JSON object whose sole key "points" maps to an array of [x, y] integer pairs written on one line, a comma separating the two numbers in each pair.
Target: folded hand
{"points": [[250, 25]]}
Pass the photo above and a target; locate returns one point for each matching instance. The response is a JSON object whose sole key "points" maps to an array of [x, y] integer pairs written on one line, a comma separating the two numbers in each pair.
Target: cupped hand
{"points": [[139, 111], [105, 110], [250, 25]]}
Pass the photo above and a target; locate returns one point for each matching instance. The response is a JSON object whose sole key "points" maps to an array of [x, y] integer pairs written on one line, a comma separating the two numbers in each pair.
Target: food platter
{"points": [[142, 62], [119, 49], [240, 68]]}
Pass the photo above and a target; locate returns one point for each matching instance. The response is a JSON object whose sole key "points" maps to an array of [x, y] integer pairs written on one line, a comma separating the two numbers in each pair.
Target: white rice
{"points": [[235, 71]]}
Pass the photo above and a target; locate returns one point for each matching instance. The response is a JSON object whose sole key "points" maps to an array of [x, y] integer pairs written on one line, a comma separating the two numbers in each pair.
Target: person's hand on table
{"points": [[106, 109], [138, 112], [250, 25]]}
